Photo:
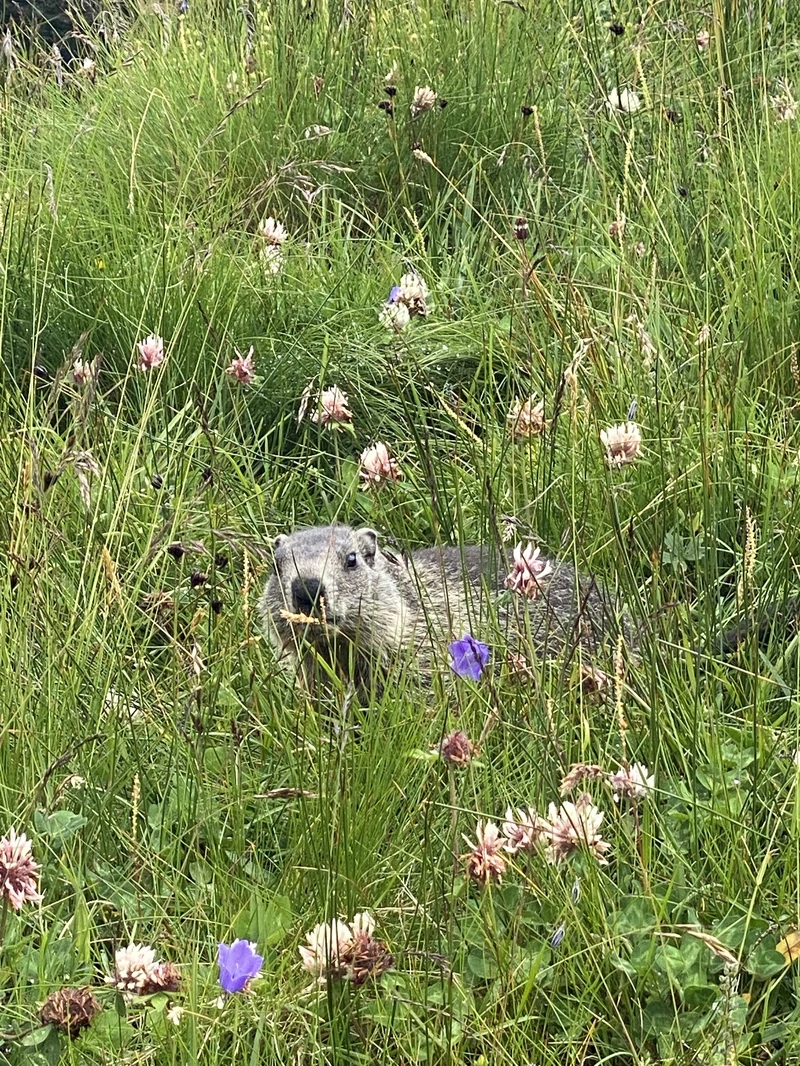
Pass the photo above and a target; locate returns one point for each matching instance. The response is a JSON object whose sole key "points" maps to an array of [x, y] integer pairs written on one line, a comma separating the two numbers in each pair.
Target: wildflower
{"points": [[639, 249], [572, 826], [526, 418], [484, 862], [469, 657], [528, 571], [702, 39], [89, 68], [424, 100], [315, 132], [411, 292], [332, 408], [631, 782], [704, 335], [241, 368], [521, 228], [395, 316], [326, 948], [336, 949], [18, 872], [137, 973], [522, 829], [175, 1014], [84, 373], [273, 232], [378, 466], [594, 683], [783, 103], [456, 749], [579, 773], [272, 258], [617, 227], [70, 1010], [151, 352], [238, 965], [422, 155], [625, 100], [558, 936], [622, 444]]}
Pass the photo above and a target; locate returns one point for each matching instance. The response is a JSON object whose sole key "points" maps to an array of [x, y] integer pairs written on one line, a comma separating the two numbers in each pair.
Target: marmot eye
{"points": [[350, 560]]}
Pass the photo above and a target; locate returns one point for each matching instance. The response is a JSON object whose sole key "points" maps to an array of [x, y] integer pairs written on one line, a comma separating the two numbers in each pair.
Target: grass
{"points": [[179, 790]]}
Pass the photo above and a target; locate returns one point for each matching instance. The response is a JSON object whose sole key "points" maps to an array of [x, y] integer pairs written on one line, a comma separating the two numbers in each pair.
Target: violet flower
{"points": [[469, 657], [238, 965]]}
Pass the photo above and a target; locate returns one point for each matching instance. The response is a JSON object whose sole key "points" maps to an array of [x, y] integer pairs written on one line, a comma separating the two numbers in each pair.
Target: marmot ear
{"points": [[280, 539], [367, 540]]}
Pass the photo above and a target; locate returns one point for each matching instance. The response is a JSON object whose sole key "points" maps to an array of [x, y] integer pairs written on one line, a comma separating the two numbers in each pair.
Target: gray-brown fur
{"points": [[378, 607]]}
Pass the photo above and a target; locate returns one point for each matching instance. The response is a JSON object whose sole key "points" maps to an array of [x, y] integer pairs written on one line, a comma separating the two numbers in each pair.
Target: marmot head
{"points": [[326, 577]]}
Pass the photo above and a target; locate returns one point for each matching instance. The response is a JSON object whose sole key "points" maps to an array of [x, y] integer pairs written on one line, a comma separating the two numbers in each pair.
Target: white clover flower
{"points": [[624, 100]]}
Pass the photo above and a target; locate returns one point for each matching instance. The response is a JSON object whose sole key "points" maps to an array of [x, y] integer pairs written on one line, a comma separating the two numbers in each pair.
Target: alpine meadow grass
{"points": [[464, 272]]}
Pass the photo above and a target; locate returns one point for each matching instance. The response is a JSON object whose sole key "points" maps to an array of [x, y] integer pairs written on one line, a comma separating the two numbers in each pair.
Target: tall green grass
{"points": [[217, 799]]}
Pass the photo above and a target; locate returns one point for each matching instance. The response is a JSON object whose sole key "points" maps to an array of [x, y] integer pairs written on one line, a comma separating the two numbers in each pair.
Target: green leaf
{"points": [[635, 916], [59, 826], [764, 961], [482, 965]]}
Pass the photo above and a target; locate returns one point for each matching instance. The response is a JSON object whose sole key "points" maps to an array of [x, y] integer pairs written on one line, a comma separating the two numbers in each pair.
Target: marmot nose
{"points": [[306, 593]]}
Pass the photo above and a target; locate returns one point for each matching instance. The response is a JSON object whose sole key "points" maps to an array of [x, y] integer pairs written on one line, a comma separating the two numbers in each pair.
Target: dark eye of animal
{"points": [[350, 560]]}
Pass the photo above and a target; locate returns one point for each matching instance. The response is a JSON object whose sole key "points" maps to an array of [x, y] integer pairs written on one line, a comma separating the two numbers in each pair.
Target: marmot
{"points": [[339, 602]]}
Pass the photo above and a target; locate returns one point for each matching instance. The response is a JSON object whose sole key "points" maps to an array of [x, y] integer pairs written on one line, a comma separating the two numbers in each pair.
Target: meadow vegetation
{"points": [[602, 204]]}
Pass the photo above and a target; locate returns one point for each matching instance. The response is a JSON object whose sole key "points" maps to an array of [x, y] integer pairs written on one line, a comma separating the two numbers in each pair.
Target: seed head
{"points": [[70, 1010], [457, 749], [521, 231], [579, 773]]}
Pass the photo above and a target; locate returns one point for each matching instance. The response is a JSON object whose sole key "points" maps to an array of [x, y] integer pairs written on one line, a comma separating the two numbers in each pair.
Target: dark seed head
{"points": [[387, 106], [176, 550], [617, 29], [526, 110], [50, 477], [391, 90], [673, 116], [157, 481], [683, 192], [41, 372], [207, 477], [216, 606], [521, 228], [442, 103], [198, 579], [220, 560]]}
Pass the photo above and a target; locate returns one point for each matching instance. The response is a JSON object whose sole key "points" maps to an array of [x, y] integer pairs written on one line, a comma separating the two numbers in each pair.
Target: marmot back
{"points": [[337, 600]]}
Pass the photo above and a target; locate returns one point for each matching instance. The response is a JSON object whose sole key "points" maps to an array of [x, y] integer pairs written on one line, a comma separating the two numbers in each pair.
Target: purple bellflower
{"points": [[238, 964], [469, 657]]}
